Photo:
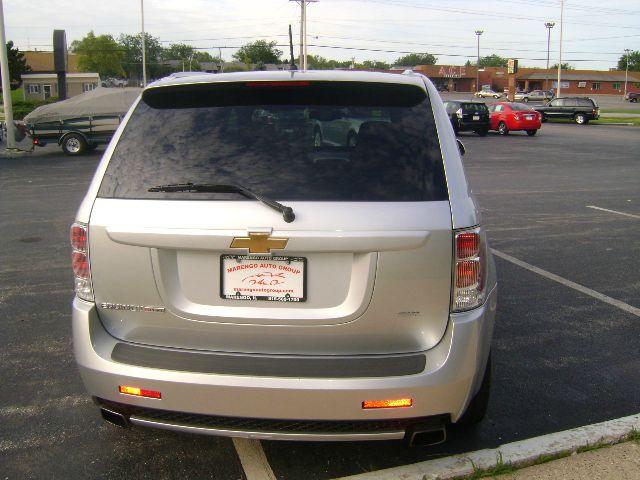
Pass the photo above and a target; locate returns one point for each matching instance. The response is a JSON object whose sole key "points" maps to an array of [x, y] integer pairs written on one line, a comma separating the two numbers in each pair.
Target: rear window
{"points": [[520, 107], [338, 141], [474, 108]]}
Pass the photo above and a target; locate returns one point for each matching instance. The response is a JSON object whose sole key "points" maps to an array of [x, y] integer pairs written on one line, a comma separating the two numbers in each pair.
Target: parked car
{"points": [[468, 116], [114, 82], [340, 127], [82, 122], [234, 280], [507, 116], [580, 109], [488, 93], [534, 96], [632, 97]]}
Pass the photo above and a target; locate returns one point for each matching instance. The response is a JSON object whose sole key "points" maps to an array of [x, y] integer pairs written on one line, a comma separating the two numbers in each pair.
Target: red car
{"points": [[506, 116]]}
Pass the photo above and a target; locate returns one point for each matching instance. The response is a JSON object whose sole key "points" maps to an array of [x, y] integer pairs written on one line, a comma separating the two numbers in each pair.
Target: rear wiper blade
{"points": [[287, 212]]}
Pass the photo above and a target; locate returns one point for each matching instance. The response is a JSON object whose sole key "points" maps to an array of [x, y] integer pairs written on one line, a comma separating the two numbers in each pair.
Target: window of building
{"points": [[34, 88], [582, 84], [87, 87], [595, 86], [616, 85]]}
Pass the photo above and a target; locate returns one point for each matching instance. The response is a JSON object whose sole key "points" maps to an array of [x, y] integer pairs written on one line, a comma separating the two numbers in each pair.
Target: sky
{"points": [[595, 33]]}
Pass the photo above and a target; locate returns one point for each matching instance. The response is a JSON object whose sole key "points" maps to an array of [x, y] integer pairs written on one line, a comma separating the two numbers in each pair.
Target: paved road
{"points": [[562, 358]]}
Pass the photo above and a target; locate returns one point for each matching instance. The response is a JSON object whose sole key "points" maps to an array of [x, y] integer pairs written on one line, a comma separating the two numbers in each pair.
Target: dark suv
{"points": [[468, 116], [581, 109]]}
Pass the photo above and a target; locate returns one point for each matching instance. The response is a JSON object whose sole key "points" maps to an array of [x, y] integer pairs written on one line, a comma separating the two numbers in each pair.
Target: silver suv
{"points": [[234, 276]]}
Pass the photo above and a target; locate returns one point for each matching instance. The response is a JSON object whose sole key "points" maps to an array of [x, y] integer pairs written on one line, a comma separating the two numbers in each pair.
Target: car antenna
{"points": [[293, 64]]}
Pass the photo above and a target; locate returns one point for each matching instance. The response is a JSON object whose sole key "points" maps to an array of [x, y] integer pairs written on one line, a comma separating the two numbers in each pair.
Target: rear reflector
{"points": [[80, 265], [139, 392], [468, 273], [396, 403]]}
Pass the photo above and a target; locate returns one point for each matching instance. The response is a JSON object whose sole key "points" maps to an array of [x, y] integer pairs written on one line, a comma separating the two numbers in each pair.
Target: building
{"points": [[455, 78], [42, 82], [40, 86]]}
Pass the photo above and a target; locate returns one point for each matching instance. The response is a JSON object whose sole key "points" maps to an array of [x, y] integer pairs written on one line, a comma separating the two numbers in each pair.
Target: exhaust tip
{"points": [[425, 435], [115, 418]]}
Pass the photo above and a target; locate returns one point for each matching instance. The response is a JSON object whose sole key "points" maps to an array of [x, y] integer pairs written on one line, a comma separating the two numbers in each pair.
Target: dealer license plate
{"points": [[274, 279]]}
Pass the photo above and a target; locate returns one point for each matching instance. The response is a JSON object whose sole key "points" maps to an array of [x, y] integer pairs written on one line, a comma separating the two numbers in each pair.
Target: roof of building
{"points": [[43, 61], [577, 75], [47, 76]]}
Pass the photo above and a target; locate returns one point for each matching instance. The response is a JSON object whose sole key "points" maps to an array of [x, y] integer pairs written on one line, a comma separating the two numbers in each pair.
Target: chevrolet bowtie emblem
{"points": [[259, 243]]}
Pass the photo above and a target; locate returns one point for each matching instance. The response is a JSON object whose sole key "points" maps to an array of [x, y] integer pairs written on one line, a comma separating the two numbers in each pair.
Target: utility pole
{"points": [[6, 84], [303, 31], [626, 74], [478, 33], [549, 26], [144, 63], [560, 61]]}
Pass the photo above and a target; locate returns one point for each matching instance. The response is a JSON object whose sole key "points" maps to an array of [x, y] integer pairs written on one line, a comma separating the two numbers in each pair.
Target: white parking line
{"points": [[254, 461], [613, 211], [568, 283]]}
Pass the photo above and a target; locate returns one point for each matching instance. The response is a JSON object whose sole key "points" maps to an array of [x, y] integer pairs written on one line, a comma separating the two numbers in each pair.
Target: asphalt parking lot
{"points": [[565, 202]]}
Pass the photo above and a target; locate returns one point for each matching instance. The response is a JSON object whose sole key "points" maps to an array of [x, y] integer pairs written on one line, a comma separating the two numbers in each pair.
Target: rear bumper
{"points": [[450, 378], [524, 125], [466, 125]]}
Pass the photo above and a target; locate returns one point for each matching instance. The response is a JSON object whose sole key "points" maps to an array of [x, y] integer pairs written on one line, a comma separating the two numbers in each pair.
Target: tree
{"points": [[202, 57], [565, 66], [100, 54], [316, 62], [493, 61], [183, 52], [634, 61], [258, 52], [17, 64], [375, 65], [414, 59], [132, 63]]}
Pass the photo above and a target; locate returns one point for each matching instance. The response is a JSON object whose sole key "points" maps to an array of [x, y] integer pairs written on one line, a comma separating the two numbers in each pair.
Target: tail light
{"points": [[469, 273], [516, 117], [80, 261]]}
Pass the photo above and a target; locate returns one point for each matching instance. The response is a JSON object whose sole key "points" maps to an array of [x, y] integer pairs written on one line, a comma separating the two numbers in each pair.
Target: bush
{"points": [[22, 108]]}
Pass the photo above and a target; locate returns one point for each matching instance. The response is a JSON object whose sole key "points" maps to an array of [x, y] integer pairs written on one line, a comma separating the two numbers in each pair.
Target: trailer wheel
{"points": [[74, 144]]}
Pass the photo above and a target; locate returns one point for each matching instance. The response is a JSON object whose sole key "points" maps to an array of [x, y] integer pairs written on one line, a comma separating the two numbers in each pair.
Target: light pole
{"points": [[144, 63], [478, 33], [560, 61], [626, 73], [303, 31], [549, 26], [6, 84]]}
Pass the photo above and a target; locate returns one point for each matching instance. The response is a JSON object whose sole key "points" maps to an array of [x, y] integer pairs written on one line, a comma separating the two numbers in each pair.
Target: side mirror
{"points": [[461, 147]]}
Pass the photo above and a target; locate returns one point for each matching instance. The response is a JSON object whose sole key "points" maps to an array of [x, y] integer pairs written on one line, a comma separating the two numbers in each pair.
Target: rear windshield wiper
{"points": [[287, 212]]}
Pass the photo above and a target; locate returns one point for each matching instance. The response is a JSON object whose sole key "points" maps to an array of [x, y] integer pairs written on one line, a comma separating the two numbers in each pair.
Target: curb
{"points": [[13, 153], [519, 454]]}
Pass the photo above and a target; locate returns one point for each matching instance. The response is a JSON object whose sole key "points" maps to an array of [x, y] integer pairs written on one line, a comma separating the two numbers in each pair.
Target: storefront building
{"points": [[455, 78]]}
